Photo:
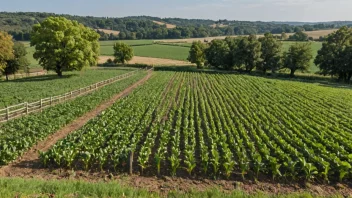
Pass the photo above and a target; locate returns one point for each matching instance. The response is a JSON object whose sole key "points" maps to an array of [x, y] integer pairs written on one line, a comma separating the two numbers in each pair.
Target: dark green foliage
{"points": [[196, 54], [218, 54], [298, 57], [270, 53], [299, 36], [19, 61], [19, 25], [336, 54]]}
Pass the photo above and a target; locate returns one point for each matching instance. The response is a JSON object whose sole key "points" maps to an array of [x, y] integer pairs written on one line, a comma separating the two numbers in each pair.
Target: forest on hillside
{"points": [[19, 25]]}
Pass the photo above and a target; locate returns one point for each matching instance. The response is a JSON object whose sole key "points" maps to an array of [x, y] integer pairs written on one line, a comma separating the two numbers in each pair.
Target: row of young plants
{"points": [[18, 135], [220, 125], [108, 140]]}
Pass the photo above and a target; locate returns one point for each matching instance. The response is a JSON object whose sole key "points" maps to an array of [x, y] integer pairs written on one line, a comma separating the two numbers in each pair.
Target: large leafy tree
{"points": [[335, 55], [270, 53], [248, 52], [64, 45], [6, 49], [218, 54], [197, 53], [19, 61], [298, 57], [122, 52]]}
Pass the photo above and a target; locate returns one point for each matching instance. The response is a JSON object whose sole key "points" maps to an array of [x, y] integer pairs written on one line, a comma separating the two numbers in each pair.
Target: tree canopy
{"points": [[64, 45], [18, 61], [334, 58], [6, 49], [298, 57], [122, 52], [196, 53], [270, 53]]}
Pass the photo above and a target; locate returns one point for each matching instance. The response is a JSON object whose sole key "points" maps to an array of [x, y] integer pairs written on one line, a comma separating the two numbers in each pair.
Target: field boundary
{"points": [[15, 111]]}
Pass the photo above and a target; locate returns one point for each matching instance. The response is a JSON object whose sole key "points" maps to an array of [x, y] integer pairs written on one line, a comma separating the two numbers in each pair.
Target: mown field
{"points": [[34, 88], [218, 126], [174, 51]]}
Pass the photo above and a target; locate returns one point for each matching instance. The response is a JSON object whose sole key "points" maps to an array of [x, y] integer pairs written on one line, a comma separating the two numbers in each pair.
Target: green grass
{"points": [[129, 42], [34, 88], [17, 187], [155, 51]]}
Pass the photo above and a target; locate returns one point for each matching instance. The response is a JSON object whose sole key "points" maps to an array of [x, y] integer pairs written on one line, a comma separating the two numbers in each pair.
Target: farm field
{"points": [[218, 126], [174, 51], [17, 136], [35, 88]]}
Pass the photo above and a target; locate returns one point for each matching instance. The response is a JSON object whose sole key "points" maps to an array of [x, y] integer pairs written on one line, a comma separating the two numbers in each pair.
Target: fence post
{"points": [[26, 107], [51, 100], [7, 113], [71, 95], [41, 103]]}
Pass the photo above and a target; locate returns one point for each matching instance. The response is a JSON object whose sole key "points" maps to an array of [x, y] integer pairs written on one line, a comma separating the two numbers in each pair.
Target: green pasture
{"points": [[176, 51]]}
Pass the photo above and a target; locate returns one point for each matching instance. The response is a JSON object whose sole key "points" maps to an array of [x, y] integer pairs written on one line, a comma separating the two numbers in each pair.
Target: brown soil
{"points": [[148, 61], [30, 160]]}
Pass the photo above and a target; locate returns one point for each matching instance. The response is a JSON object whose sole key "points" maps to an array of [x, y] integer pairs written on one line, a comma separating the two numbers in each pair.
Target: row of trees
{"points": [[12, 55], [248, 53]]}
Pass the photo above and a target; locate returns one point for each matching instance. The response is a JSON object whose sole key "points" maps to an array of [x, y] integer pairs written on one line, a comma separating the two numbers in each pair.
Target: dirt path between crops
{"points": [[30, 160]]}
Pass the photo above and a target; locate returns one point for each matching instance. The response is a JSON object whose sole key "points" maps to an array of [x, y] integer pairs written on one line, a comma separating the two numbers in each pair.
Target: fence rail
{"points": [[25, 108]]}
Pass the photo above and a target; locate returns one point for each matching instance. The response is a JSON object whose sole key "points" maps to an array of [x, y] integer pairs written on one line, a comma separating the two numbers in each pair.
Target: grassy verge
{"points": [[34, 88], [17, 187]]}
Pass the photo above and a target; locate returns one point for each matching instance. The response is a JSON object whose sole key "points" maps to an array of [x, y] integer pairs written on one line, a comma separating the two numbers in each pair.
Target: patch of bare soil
{"points": [[148, 61], [29, 162], [114, 32]]}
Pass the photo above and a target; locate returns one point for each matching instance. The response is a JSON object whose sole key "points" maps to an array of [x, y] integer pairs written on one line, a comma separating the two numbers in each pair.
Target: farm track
{"points": [[30, 160]]}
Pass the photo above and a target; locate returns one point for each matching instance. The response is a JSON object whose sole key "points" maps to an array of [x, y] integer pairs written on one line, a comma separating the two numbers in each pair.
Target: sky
{"points": [[248, 10]]}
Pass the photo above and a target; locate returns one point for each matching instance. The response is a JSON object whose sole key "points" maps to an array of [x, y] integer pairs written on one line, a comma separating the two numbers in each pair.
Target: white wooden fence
{"points": [[25, 108]]}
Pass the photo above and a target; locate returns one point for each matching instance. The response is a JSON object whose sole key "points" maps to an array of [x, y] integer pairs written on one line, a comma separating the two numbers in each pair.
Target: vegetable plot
{"points": [[17, 136], [218, 125]]}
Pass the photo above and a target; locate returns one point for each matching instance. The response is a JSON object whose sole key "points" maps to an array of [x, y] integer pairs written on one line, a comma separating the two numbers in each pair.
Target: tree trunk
{"points": [[264, 70], [292, 74], [59, 70], [349, 76], [7, 77]]}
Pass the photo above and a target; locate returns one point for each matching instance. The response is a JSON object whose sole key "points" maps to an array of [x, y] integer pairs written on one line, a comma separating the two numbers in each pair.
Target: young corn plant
{"points": [[215, 161], [86, 156], [143, 158], [229, 163], [258, 165], [175, 161], [190, 161], [274, 167]]}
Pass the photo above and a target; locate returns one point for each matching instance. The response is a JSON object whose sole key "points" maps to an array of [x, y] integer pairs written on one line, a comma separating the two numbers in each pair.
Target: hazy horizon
{"points": [[242, 10]]}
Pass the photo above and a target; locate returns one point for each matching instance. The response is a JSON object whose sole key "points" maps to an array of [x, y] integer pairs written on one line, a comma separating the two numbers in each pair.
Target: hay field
{"points": [[109, 31], [169, 26]]}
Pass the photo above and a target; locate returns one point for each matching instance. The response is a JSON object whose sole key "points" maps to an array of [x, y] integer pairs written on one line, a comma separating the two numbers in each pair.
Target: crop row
{"points": [[17, 136], [218, 125]]}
